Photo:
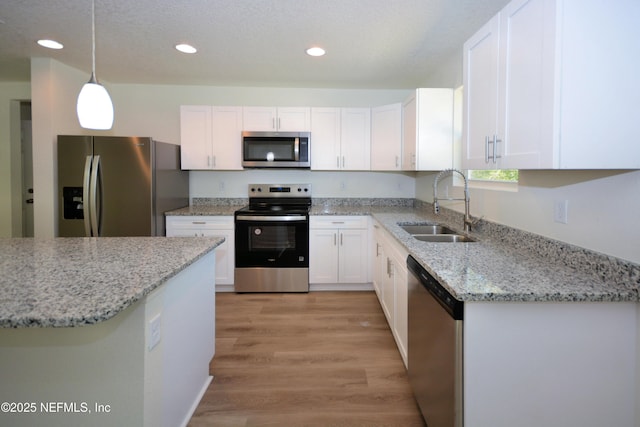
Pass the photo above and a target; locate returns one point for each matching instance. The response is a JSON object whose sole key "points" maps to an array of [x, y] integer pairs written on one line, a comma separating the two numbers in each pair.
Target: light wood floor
{"points": [[317, 359]]}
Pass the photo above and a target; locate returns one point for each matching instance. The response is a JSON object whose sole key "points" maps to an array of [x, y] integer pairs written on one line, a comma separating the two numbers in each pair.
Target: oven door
{"points": [[278, 241]]}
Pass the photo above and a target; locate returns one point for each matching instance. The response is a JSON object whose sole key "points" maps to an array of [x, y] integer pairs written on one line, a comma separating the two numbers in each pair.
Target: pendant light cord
{"points": [[93, 41]]}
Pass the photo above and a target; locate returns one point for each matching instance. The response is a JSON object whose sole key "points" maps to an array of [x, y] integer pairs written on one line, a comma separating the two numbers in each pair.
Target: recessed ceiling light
{"points": [[186, 48], [51, 44], [315, 51]]}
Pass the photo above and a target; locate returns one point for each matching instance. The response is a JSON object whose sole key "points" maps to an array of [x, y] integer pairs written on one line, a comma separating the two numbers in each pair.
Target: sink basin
{"points": [[427, 229], [451, 238]]}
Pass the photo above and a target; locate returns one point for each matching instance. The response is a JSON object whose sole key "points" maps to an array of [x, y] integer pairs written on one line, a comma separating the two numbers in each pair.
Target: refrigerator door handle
{"points": [[86, 190], [95, 198]]}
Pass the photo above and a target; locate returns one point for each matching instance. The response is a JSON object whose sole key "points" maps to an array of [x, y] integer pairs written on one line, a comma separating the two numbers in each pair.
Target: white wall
{"points": [[324, 184]]}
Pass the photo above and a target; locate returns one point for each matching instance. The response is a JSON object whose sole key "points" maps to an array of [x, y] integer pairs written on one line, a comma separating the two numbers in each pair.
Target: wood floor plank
{"points": [[317, 359]]}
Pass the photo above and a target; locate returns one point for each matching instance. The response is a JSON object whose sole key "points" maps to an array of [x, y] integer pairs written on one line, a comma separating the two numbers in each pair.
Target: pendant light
{"points": [[94, 108]]}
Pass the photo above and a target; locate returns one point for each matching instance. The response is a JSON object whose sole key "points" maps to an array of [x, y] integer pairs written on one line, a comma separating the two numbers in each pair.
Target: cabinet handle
{"points": [[198, 222], [279, 123], [343, 162], [335, 239], [396, 161], [495, 148], [208, 161], [486, 149], [494, 142], [214, 161], [338, 162], [337, 222], [341, 244]]}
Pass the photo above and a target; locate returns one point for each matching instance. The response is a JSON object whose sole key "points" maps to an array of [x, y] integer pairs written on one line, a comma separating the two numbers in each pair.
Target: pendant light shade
{"points": [[94, 107]]}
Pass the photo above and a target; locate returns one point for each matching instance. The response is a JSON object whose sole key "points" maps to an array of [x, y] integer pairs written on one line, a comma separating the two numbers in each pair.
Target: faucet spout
{"points": [[436, 205]]}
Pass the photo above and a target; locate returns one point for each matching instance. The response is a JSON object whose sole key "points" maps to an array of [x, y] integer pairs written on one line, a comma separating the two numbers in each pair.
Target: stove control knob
{"points": [[253, 190]]}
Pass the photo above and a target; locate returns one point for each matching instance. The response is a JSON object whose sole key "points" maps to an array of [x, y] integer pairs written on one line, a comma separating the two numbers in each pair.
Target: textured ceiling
{"points": [[390, 44]]}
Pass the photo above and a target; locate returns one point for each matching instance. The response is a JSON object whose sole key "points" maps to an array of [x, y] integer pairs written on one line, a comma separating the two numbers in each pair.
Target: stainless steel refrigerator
{"points": [[117, 186]]}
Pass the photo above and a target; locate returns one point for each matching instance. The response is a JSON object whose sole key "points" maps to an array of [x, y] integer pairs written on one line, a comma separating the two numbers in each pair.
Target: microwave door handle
{"points": [[296, 149]]}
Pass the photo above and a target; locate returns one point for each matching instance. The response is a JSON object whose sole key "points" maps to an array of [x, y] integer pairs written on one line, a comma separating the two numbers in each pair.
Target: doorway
{"points": [[27, 169], [22, 196]]}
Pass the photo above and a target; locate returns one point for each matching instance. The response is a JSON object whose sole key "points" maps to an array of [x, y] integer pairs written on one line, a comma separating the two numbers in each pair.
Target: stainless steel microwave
{"points": [[276, 149]]}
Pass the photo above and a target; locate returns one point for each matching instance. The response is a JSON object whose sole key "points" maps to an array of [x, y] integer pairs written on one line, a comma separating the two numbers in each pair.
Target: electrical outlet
{"points": [[343, 185], [561, 211], [155, 331]]}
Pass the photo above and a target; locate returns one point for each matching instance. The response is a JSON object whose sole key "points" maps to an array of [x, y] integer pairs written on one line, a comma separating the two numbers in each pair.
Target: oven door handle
{"points": [[269, 218]]}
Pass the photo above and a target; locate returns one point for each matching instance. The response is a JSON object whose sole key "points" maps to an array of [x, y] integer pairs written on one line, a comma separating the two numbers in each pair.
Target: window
{"points": [[506, 175]]}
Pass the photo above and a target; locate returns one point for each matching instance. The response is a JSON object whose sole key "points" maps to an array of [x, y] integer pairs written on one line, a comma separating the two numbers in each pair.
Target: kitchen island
{"points": [[105, 331]]}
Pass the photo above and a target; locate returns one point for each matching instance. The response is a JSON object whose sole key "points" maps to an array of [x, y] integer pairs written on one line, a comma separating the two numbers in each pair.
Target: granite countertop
{"points": [[66, 282], [505, 268], [504, 264]]}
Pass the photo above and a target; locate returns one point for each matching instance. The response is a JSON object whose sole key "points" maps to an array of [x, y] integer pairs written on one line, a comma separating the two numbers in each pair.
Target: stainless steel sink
{"points": [[427, 229], [451, 238]]}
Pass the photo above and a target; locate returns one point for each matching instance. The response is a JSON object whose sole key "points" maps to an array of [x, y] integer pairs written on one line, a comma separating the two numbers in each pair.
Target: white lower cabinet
{"points": [[338, 249], [390, 282], [200, 226]]}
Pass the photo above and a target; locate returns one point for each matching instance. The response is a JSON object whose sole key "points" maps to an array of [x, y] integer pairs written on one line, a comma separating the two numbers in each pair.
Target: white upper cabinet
{"points": [[355, 139], [280, 119], [340, 138], [386, 137], [210, 137], [552, 84], [325, 138], [427, 130]]}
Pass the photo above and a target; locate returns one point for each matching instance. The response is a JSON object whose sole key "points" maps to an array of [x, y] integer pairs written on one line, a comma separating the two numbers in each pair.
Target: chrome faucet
{"points": [[436, 205]]}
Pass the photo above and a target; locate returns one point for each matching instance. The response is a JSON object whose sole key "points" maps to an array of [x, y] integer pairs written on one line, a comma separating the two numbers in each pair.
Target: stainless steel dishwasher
{"points": [[435, 348]]}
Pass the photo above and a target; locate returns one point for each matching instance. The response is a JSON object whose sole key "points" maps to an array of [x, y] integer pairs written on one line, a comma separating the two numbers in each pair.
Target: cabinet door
{"points": [[388, 289], [355, 138], [227, 139], [409, 133], [378, 259], [434, 129], [480, 77], [323, 256], [195, 137], [353, 261], [225, 255], [401, 300], [198, 226], [294, 119], [259, 118], [325, 138], [386, 137], [525, 106]]}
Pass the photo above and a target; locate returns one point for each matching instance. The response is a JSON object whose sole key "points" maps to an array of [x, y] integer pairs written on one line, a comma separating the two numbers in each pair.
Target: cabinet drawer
{"points": [[342, 221], [201, 222]]}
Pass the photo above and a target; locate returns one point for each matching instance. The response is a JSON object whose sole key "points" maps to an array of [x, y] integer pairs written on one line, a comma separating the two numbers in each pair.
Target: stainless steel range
{"points": [[272, 239]]}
